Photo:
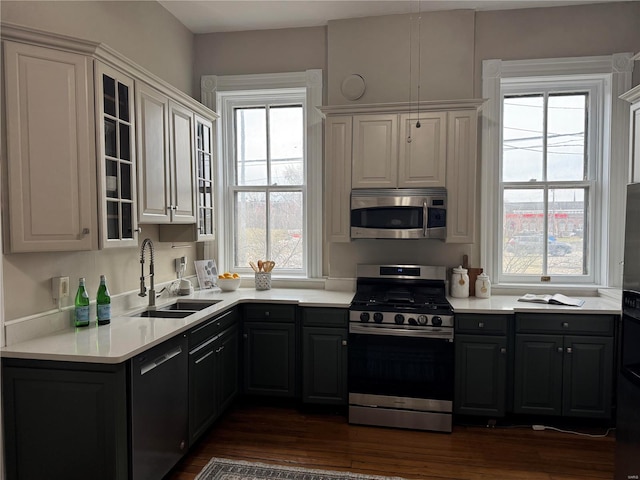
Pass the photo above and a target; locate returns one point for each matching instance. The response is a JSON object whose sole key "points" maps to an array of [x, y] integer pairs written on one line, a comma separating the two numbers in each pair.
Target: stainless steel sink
{"points": [[165, 313], [192, 305]]}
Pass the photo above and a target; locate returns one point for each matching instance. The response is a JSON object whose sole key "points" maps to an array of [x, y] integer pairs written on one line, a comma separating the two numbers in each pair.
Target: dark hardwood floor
{"points": [[279, 435]]}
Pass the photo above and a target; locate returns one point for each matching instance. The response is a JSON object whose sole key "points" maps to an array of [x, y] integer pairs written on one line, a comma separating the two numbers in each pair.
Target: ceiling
{"points": [[209, 16]]}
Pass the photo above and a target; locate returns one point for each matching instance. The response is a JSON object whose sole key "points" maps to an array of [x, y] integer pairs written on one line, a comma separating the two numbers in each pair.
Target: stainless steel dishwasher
{"points": [[159, 409]]}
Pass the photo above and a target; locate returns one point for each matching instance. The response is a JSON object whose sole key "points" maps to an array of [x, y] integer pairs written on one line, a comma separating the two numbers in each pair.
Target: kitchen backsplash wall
{"points": [[27, 276]]}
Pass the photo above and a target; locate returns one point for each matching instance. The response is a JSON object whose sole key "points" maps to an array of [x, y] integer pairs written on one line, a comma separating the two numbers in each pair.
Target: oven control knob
{"points": [[364, 317], [422, 319], [377, 317], [436, 321], [399, 319], [412, 321]]}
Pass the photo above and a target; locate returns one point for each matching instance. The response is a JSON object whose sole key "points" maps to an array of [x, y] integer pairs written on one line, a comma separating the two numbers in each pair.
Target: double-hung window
{"points": [[554, 167], [269, 179]]}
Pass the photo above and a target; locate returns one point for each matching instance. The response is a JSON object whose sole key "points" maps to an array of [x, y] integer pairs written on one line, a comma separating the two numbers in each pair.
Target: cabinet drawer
{"points": [[273, 313], [212, 327], [324, 317], [482, 324], [565, 323]]}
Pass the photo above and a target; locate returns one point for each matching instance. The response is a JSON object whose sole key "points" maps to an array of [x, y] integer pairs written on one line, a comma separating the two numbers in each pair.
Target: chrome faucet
{"points": [[143, 289]]}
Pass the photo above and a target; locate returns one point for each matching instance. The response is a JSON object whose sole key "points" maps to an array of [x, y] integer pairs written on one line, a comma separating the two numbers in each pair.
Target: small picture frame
{"points": [[207, 273]]}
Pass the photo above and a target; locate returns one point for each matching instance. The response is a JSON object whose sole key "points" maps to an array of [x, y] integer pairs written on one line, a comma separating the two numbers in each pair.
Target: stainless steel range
{"points": [[401, 348]]}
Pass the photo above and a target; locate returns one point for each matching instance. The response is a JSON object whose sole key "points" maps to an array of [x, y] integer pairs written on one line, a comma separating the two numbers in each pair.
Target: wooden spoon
{"points": [[260, 265], [253, 266]]}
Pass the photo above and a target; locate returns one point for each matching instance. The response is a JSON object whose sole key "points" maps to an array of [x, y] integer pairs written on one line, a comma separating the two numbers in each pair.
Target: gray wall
{"points": [[143, 31], [150, 36]]}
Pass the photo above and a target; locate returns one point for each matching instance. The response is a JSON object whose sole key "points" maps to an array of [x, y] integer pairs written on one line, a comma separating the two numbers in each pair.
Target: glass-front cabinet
{"points": [[204, 155], [116, 158]]}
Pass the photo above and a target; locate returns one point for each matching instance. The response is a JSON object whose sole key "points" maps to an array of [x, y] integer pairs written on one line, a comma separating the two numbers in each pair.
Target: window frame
{"points": [[224, 93], [613, 75]]}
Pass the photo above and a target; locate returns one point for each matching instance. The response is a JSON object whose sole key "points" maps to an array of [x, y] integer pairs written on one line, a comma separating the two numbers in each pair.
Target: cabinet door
{"points": [[375, 151], [481, 372], [204, 163], [338, 139], [269, 359], [202, 389], [324, 360], [538, 374], [228, 375], [634, 142], [423, 151], [116, 158], [50, 150], [63, 423], [183, 166], [152, 116], [461, 176], [588, 376]]}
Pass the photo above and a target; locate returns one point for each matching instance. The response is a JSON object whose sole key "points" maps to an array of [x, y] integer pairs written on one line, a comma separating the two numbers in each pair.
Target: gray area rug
{"points": [[225, 469]]}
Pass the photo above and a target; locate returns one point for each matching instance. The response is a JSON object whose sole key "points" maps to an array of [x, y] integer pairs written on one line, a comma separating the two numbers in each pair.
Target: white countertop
{"points": [[127, 336]]}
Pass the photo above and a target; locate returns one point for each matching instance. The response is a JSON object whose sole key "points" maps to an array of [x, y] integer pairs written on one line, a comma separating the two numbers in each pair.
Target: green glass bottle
{"points": [[103, 303], [81, 313]]}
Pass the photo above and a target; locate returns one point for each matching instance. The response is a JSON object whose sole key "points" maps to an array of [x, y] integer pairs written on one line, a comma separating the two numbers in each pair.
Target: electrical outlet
{"points": [[59, 287], [181, 264]]}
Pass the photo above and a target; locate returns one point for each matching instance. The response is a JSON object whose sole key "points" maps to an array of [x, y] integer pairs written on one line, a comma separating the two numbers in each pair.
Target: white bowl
{"points": [[228, 284]]}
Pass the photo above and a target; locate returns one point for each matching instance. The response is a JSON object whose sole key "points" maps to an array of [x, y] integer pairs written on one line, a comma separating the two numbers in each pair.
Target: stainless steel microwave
{"points": [[399, 213]]}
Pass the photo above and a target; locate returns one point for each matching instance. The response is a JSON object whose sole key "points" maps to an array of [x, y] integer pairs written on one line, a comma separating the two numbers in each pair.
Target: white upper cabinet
{"points": [[375, 151], [182, 162], [152, 117], [462, 144], [50, 142], [166, 164], [423, 150], [116, 158], [337, 151]]}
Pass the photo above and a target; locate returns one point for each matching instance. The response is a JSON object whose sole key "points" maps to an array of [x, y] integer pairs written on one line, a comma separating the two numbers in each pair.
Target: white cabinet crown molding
{"points": [[104, 53], [402, 107], [632, 95]]}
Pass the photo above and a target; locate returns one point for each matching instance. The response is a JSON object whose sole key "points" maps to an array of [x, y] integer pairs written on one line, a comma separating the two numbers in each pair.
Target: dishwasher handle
{"points": [[147, 367]]}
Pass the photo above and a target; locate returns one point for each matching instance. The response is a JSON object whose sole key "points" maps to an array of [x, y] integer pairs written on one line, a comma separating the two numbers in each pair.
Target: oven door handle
{"points": [[425, 219], [401, 332]]}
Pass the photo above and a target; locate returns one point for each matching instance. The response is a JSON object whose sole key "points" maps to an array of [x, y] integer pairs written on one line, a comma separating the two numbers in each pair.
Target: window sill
{"points": [[565, 289]]}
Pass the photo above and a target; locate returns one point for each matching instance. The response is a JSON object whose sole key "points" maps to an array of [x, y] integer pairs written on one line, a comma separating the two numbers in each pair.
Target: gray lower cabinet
{"points": [[65, 420], [564, 365], [324, 356], [213, 379], [482, 358], [269, 345]]}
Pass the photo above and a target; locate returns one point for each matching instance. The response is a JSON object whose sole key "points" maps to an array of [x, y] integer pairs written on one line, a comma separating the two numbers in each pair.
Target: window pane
{"points": [[523, 232], [566, 137], [251, 227], [523, 123], [287, 145], [251, 146], [286, 233], [565, 231]]}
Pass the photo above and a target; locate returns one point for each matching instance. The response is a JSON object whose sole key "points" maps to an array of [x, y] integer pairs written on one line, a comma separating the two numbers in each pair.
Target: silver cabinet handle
{"points": [[219, 349], [565, 324], [139, 229], [569, 350], [503, 350], [560, 350], [209, 353], [344, 343], [266, 314], [84, 232], [245, 336], [480, 324]]}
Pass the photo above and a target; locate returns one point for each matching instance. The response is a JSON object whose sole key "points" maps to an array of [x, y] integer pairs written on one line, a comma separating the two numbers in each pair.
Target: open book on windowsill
{"points": [[557, 299]]}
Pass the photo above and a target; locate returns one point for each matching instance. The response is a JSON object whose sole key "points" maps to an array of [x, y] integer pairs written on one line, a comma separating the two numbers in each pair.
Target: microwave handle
{"points": [[425, 218]]}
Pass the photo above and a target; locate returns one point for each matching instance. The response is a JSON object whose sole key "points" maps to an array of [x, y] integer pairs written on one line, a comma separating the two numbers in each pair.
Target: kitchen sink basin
{"points": [[189, 305], [165, 313]]}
